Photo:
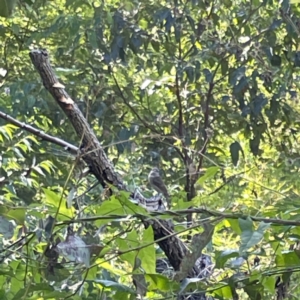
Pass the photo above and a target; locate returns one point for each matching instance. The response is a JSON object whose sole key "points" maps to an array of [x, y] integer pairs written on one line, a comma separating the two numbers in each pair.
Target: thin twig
{"points": [[183, 212]]}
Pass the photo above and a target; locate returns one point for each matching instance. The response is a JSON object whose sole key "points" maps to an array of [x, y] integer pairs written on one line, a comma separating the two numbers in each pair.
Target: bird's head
{"points": [[155, 172]]}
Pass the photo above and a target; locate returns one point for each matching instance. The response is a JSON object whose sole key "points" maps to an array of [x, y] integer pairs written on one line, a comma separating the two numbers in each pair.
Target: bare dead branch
{"points": [[49, 138], [94, 155]]}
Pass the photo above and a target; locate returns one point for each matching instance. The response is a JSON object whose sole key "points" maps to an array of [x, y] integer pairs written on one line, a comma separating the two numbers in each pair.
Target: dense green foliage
{"points": [[206, 90]]}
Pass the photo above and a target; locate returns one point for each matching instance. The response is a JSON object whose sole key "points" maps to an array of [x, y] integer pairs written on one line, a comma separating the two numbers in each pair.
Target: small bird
{"points": [[157, 183]]}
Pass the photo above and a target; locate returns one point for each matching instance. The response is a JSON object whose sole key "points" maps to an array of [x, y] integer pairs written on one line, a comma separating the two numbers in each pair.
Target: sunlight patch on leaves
{"points": [[53, 199]]}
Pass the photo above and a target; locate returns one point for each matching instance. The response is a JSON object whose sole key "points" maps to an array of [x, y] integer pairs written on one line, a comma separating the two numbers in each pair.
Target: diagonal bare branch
{"points": [[94, 155], [39, 133]]}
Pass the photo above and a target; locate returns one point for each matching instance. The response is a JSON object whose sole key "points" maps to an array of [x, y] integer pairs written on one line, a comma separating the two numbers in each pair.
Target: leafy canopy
{"points": [[206, 90]]}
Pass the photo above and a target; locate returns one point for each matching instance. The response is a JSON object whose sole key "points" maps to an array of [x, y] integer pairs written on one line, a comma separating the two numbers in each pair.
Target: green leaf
{"points": [[276, 61], [258, 103], [224, 256], [7, 131], [235, 149], [269, 283], [48, 224], [160, 282], [224, 67], [6, 228], [246, 224], [287, 259], [7, 7], [147, 254], [17, 214], [111, 206], [236, 75], [131, 241], [250, 238], [115, 286], [235, 225], [210, 172], [56, 201], [254, 145], [224, 292], [297, 59]]}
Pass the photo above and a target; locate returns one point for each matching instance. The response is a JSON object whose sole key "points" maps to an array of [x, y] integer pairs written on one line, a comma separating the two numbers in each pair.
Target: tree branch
{"points": [[94, 155], [49, 138], [183, 212]]}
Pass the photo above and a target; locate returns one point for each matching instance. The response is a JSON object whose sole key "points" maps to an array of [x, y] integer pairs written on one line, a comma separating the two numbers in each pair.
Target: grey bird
{"points": [[157, 183]]}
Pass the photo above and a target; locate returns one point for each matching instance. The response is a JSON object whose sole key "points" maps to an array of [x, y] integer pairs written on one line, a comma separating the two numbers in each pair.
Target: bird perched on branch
{"points": [[157, 183]]}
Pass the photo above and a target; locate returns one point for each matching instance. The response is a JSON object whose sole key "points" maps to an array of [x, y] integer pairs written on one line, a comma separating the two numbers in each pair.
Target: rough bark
{"points": [[93, 153]]}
